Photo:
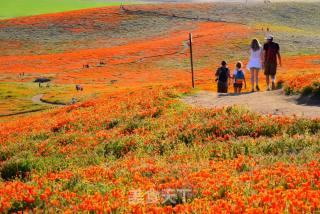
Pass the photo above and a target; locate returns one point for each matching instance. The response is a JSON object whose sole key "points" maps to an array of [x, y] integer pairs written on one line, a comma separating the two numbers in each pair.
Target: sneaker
{"points": [[257, 87], [252, 90], [273, 86]]}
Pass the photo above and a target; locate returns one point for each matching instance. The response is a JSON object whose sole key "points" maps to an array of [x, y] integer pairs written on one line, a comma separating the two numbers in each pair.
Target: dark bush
{"points": [[280, 84], [118, 148], [21, 207], [73, 182], [4, 155], [304, 125], [316, 88], [113, 123], [307, 90], [131, 126], [186, 138], [15, 169]]}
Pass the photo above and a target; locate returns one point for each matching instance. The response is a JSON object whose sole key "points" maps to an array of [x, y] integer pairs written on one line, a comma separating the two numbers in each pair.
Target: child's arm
{"points": [[232, 77], [229, 74], [217, 72]]}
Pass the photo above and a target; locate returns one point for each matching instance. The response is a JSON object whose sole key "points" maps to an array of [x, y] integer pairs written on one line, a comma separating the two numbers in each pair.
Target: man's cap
{"points": [[269, 37]]}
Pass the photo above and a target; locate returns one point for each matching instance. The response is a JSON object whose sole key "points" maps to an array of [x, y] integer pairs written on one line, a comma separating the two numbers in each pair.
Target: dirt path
{"points": [[37, 99], [273, 102]]}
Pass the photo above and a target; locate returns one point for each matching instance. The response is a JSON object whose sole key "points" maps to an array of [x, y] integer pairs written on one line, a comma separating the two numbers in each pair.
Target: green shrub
{"points": [[21, 206], [131, 126], [280, 84], [303, 126], [15, 169], [4, 155], [73, 182], [288, 90], [157, 114], [186, 138], [270, 130], [118, 148], [39, 136], [112, 124], [307, 90], [316, 88], [66, 139], [222, 192]]}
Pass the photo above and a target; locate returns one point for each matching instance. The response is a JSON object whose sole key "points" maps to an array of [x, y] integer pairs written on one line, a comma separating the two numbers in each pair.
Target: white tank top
{"points": [[255, 54], [255, 59]]}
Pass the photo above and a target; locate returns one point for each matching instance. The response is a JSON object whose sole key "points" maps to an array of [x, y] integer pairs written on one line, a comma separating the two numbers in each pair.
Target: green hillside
{"points": [[16, 8]]}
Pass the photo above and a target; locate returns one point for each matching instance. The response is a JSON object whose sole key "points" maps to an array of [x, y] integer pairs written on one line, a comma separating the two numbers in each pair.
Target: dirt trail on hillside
{"points": [[273, 102], [37, 99]]}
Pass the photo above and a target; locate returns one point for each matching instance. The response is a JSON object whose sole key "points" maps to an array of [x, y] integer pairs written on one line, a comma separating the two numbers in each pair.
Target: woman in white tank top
{"points": [[255, 62]]}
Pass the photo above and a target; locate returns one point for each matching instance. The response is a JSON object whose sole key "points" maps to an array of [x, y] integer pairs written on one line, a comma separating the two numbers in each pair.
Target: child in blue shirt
{"points": [[239, 79]]}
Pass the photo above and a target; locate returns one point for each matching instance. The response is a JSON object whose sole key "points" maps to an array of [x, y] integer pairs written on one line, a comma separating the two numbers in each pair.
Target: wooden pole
{"points": [[191, 59]]}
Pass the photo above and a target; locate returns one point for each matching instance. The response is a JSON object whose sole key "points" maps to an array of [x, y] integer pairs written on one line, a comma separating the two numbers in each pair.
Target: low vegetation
{"points": [[93, 156]]}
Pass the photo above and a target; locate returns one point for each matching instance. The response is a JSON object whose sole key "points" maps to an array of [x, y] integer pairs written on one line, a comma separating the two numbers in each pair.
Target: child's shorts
{"points": [[222, 87], [237, 85]]}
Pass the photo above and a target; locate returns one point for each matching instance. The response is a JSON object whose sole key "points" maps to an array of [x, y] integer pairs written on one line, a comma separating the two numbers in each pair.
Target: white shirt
{"points": [[255, 59]]}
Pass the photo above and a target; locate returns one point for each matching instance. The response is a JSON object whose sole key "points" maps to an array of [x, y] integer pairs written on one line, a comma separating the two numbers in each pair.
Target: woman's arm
{"points": [[262, 54]]}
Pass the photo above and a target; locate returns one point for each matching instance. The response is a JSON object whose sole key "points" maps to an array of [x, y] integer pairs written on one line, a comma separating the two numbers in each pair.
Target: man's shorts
{"points": [[270, 69], [237, 85]]}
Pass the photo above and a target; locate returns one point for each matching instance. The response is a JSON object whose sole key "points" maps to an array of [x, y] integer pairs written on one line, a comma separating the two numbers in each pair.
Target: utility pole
{"points": [[191, 59]]}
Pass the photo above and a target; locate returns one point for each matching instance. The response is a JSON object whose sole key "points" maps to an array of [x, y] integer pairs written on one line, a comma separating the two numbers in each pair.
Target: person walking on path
{"points": [[255, 63], [239, 79], [223, 75], [271, 58]]}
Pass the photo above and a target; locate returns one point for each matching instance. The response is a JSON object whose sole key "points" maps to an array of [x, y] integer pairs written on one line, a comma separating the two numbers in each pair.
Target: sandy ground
{"points": [[273, 102], [37, 99]]}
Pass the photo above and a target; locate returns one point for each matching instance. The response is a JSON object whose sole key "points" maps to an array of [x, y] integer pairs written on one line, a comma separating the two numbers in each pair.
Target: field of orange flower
{"points": [[130, 145], [108, 63], [144, 151]]}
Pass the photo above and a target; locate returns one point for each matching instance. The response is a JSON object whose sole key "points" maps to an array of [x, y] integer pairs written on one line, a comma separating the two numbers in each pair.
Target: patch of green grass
{"points": [[17, 8], [15, 169], [16, 97]]}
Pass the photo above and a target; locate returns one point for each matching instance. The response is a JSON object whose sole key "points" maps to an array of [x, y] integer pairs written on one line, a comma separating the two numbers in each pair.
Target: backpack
{"points": [[223, 74], [239, 76]]}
